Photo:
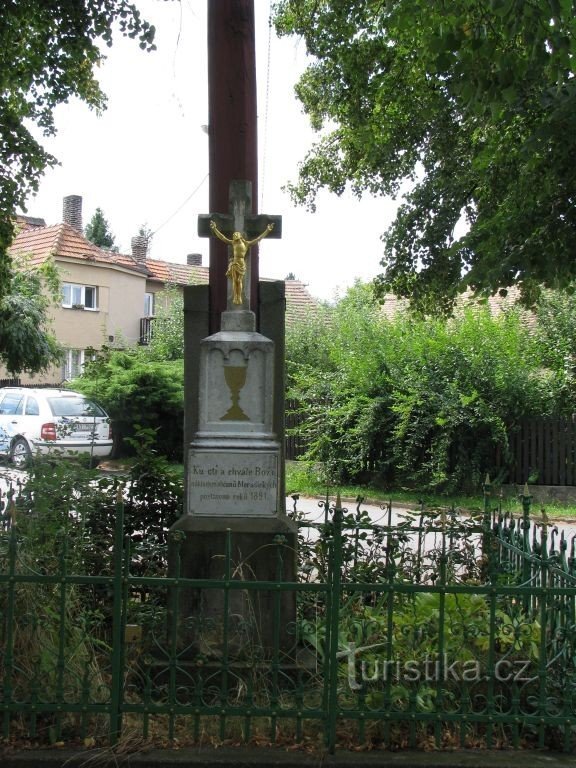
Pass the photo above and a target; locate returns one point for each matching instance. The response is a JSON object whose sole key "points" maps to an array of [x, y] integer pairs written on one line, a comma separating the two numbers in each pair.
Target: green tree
{"points": [[470, 103], [26, 343], [98, 231], [555, 331], [335, 370], [49, 50], [142, 388]]}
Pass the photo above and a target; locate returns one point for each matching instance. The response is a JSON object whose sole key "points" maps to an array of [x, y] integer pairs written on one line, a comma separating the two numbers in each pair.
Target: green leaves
{"points": [[98, 231], [138, 392], [48, 52], [26, 343], [422, 402], [472, 107]]}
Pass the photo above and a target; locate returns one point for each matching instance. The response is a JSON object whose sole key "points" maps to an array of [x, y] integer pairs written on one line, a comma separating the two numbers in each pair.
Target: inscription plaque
{"points": [[233, 484]]}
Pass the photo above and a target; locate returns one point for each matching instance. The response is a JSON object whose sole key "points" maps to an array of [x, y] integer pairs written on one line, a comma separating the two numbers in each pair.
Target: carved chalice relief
{"points": [[235, 377]]}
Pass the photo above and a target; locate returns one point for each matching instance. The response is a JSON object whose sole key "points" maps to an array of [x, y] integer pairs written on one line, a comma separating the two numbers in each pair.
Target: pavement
{"points": [[242, 757], [256, 757], [312, 510]]}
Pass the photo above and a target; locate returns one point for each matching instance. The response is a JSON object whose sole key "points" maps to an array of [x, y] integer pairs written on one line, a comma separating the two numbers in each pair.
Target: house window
{"points": [[75, 295], [148, 305], [74, 360]]}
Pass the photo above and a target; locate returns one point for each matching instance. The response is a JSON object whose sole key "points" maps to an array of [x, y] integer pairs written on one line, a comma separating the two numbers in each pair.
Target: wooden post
{"points": [[233, 139]]}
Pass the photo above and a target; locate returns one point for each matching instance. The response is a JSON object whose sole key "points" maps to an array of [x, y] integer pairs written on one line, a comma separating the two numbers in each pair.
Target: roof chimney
{"points": [[194, 259], [72, 211], [139, 247]]}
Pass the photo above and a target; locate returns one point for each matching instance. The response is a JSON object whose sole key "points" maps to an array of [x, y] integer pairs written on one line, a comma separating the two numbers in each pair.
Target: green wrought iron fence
{"points": [[431, 629]]}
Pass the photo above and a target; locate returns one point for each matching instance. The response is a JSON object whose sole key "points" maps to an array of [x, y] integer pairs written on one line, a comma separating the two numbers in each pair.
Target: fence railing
{"points": [[411, 629]]}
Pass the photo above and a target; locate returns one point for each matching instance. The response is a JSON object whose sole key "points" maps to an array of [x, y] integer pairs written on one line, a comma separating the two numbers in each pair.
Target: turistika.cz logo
{"points": [[430, 669]]}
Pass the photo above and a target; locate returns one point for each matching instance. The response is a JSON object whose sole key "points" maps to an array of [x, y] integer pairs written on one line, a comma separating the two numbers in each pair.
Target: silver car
{"points": [[51, 421]]}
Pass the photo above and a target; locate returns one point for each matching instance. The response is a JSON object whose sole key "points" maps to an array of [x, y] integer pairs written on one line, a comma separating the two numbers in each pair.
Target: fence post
{"points": [[487, 550], [7, 682], [526, 500], [117, 683], [332, 623]]}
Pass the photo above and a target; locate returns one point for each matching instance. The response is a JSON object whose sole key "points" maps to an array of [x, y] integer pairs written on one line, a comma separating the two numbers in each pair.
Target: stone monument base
{"points": [[240, 622]]}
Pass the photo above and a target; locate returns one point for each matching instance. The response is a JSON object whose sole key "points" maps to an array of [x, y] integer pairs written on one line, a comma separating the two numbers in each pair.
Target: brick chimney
{"points": [[139, 247], [194, 259], [72, 211]]}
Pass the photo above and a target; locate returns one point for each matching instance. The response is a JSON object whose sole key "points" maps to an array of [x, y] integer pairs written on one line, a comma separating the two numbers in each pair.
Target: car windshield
{"points": [[74, 406]]}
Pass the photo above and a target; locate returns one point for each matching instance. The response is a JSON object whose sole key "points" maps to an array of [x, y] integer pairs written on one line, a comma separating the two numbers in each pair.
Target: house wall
{"points": [[161, 295], [116, 321], [120, 306]]}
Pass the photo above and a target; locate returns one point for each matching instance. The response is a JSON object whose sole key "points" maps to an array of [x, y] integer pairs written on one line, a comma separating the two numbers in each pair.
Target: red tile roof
{"points": [[299, 303], [393, 305], [62, 240], [177, 274]]}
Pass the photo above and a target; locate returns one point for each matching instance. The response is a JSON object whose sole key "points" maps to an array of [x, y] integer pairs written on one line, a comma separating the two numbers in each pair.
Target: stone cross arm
{"points": [[254, 225]]}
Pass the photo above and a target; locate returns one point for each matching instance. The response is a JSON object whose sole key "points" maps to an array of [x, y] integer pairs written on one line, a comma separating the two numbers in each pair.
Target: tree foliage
{"points": [[49, 50], [556, 334], [167, 342], [472, 103], [142, 388], [98, 231], [26, 342]]}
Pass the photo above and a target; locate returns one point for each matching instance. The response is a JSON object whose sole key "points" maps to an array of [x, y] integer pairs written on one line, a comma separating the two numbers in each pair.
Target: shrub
{"points": [[420, 402], [138, 392]]}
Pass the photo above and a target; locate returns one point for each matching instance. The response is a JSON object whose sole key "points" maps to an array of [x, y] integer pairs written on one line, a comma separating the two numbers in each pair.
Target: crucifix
{"points": [[234, 392], [240, 230]]}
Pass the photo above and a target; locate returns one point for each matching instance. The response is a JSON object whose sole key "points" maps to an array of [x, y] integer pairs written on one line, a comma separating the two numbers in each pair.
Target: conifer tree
{"points": [[98, 231]]}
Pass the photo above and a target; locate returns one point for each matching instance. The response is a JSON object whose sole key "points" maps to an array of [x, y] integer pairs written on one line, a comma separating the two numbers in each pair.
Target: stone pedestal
{"points": [[241, 622], [233, 462], [235, 530]]}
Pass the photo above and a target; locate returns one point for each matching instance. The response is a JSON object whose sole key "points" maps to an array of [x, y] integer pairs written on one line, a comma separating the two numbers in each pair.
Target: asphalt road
{"points": [[313, 510]]}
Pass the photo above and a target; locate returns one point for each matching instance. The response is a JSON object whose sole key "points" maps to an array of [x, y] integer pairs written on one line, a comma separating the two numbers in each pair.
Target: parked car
{"points": [[51, 421]]}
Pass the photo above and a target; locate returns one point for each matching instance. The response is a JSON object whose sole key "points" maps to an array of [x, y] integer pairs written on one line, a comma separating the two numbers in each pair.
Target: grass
{"points": [[307, 479]]}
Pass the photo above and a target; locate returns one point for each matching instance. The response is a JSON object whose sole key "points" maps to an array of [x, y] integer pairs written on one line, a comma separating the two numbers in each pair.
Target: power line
{"points": [[190, 196]]}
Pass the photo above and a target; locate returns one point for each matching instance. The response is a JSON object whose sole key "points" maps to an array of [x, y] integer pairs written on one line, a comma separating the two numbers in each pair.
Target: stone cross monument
{"points": [[234, 485], [240, 229], [233, 464]]}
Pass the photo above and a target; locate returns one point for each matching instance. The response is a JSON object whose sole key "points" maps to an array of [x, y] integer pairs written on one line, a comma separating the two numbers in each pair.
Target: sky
{"points": [[144, 161]]}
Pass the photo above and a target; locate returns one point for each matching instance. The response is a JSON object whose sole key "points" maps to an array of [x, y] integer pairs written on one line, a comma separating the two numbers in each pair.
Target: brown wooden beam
{"points": [[233, 139]]}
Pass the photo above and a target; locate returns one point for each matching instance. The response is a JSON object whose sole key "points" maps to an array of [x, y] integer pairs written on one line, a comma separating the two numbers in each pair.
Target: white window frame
{"points": [[149, 304], [76, 295], [73, 364]]}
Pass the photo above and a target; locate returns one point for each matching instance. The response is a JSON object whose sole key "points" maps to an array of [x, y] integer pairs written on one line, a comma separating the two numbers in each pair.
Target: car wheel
{"points": [[20, 453]]}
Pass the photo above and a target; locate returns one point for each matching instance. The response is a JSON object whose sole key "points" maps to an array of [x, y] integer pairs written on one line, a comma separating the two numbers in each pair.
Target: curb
{"points": [[257, 757]]}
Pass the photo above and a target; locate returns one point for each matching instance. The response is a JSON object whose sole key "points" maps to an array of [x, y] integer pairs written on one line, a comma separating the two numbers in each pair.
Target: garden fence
{"points": [[423, 629]]}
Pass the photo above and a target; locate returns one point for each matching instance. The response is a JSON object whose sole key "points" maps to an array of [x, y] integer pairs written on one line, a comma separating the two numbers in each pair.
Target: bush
{"points": [[138, 392], [418, 402]]}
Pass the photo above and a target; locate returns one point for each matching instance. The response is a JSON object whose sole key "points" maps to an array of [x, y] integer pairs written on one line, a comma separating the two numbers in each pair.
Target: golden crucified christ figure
{"points": [[237, 263]]}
